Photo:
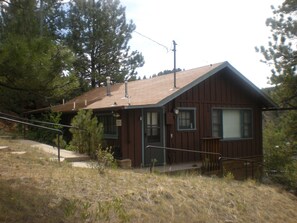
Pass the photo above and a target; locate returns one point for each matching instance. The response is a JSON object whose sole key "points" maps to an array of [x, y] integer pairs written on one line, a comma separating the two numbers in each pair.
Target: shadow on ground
{"points": [[23, 203]]}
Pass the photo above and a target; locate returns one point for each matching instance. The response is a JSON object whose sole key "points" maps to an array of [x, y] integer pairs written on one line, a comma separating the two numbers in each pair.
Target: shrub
{"points": [[59, 141], [43, 135], [87, 133], [105, 159]]}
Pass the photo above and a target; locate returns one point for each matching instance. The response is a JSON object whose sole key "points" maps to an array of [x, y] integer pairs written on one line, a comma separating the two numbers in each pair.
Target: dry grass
{"points": [[35, 189]]}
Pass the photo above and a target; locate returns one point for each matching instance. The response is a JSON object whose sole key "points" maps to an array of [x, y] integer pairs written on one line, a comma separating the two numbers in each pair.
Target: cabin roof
{"points": [[154, 92]]}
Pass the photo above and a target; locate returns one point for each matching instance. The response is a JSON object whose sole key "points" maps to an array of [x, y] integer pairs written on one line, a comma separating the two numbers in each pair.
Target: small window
{"points": [[232, 123], [110, 129], [186, 119]]}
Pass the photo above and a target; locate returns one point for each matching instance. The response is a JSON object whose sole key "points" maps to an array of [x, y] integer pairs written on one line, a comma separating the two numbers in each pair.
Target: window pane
{"points": [[247, 123], [148, 118], [154, 120], [231, 124], [186, 119], [217, 123], [153, 127], [109, 125]]}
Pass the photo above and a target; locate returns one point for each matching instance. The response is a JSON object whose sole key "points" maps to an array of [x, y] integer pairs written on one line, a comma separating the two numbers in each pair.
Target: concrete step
{"points": [[77, 158], [4, 149], [65, 155], [5, 137], [85, 164]]}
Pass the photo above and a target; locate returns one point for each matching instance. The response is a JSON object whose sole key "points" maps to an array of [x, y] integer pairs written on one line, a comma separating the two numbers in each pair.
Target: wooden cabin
{"points": [[212, 106]]}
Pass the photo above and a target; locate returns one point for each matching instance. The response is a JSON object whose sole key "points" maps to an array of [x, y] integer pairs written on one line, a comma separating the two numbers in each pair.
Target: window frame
{"points": [[153, 130], [242, 124], [109, 135], [185, 109]]}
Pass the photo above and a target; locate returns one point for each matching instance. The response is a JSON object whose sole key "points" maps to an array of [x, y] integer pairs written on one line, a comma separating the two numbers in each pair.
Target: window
{"points": [[153, 127], [186, 119], [232, 123], [110, 129]]}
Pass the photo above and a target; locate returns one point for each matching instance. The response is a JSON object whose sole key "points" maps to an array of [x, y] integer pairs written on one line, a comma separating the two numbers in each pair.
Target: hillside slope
{"points": [[35, 189]]}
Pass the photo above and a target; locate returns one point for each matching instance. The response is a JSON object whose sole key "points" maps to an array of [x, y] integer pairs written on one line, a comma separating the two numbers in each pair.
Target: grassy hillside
{"points": [[35, 189]]}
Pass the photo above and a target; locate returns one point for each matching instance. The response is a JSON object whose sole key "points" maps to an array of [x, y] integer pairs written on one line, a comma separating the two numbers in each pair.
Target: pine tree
{"points": [[280, 135], [99, 34], [34, 67], [281, 52]]}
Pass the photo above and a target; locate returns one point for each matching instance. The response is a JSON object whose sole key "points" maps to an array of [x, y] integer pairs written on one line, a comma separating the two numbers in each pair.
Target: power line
{"points": [[152, 40]]}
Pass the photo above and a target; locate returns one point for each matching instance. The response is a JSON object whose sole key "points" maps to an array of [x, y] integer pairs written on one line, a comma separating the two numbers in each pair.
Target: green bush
{"points": [[87, 133], [59, 141], [43, 135], [105, 159]]}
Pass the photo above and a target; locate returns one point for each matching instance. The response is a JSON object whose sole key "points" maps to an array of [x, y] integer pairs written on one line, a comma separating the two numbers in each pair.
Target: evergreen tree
{"points": [[99, 34], [280, 135], [281, 52], [49, 48], [35, 69]]}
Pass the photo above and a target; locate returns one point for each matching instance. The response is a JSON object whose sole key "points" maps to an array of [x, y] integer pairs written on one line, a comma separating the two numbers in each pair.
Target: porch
{"points": [[173, 168], [211, 162], [210, 158]]}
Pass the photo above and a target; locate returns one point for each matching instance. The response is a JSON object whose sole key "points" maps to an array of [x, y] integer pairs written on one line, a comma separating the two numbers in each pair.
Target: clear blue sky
{"points": [[206, 31]]}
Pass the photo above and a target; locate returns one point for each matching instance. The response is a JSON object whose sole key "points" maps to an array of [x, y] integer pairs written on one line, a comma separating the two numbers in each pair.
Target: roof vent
{"points": [[108, 86], [174, 65], [126, 89]]}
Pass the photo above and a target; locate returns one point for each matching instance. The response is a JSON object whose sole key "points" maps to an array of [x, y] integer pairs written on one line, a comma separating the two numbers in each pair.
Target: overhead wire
{"points": [[160, 44]]}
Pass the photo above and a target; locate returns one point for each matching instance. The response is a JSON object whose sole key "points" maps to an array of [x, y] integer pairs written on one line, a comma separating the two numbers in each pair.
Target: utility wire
{"points": [[152, 40]]}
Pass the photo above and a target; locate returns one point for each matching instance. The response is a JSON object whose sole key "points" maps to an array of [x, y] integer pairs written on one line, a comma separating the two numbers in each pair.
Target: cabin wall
{"points": [[221, 90]]}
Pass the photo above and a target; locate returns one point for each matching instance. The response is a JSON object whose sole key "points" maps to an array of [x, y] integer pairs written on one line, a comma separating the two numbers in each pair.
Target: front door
{"points": [[153, 135]]}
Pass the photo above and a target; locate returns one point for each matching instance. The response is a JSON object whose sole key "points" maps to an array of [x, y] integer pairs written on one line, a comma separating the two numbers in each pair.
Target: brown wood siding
{"points": [[131, 132], [221, 90]]}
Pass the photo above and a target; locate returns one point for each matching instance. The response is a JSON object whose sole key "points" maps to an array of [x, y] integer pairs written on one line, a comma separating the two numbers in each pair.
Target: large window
{"points": [[232, 123], [186, 119], [109, 125]]}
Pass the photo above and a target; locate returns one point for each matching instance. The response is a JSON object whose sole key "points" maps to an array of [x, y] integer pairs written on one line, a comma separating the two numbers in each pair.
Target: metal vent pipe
{"points": [[126, 89], [108, 86]]}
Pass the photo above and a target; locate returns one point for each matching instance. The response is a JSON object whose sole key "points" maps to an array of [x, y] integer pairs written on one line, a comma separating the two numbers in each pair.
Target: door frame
{"points": [[162, 133]]}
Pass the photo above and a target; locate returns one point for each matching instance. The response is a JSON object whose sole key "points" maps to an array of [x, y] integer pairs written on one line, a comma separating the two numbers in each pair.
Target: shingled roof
{"points": [[153, 92]]}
